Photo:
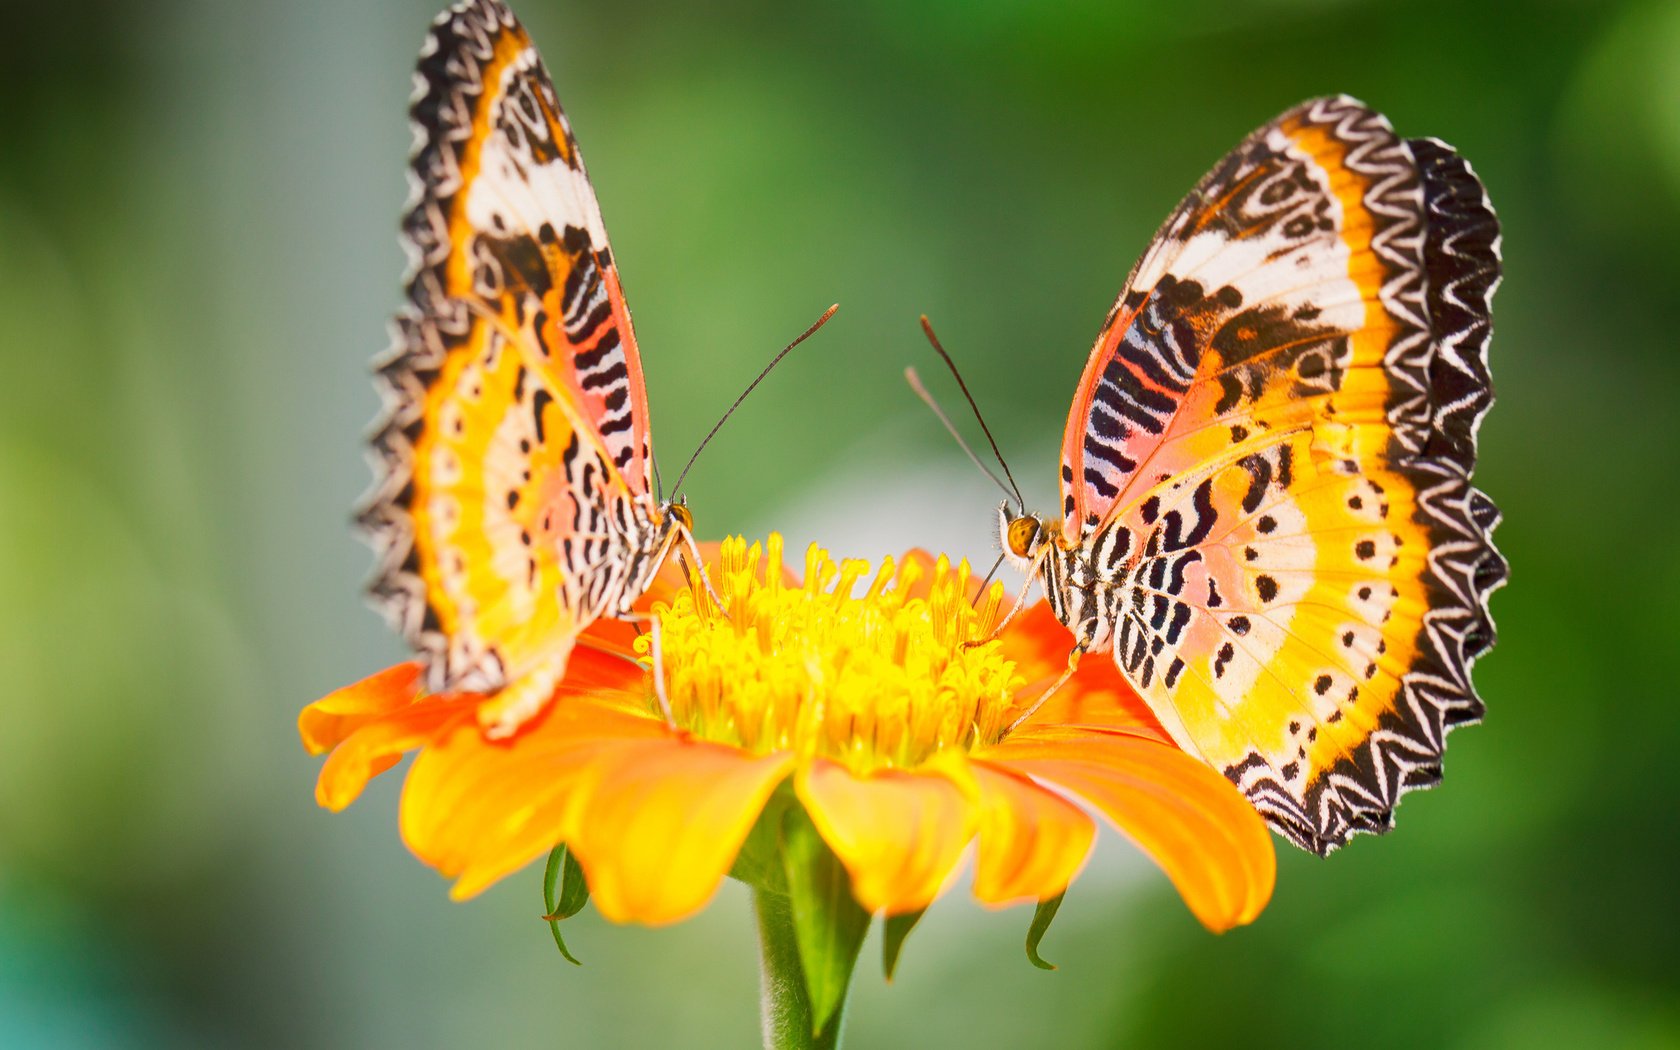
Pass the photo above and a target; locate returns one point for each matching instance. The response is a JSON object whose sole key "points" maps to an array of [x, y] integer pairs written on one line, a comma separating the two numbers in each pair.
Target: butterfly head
{"points": [[680, 515], [1022, 535]]}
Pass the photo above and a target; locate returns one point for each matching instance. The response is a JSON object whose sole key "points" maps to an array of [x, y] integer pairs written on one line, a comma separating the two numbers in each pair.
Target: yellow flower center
{"points": [[877, 679]]}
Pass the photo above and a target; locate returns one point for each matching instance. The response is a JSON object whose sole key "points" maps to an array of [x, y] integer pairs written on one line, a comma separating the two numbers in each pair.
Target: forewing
{"points": [[1254, 294], [1312, 563], [504, 218], [516, 417]]}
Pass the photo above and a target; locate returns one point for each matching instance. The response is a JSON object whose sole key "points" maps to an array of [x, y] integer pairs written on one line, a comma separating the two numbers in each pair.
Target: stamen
{"points": [[877, 679]]}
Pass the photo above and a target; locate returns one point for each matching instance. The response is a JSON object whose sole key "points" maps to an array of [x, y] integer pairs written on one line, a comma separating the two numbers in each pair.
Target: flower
{"points": [[887, 714]]}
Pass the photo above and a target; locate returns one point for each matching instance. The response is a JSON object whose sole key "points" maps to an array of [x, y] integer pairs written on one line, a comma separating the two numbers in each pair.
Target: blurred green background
{"points": [[197, 260]]}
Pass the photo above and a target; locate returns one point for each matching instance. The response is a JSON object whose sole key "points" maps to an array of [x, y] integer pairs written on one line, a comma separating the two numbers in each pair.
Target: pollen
{"points": [[875, 670]]}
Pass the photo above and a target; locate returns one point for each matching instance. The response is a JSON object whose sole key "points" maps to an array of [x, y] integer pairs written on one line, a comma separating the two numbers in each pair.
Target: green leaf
{"points": [[893, 932], [1042, 917], [565, 892], [828, 924]]}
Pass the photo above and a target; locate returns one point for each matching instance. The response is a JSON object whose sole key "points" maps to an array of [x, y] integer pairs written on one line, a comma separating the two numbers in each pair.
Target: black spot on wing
{"points": [[1259, 479], [1095, 479], [539, 402]]}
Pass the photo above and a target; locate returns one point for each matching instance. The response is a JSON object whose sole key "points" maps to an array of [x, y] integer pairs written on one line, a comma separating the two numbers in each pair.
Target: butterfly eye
{"points": [[1024, 533], [684, 518]]}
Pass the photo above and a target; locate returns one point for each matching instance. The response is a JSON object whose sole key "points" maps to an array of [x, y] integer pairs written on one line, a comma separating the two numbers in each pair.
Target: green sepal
{"points": [[1043, 915], [565, 892], [828, 923], [893, 932], [759, 863]]}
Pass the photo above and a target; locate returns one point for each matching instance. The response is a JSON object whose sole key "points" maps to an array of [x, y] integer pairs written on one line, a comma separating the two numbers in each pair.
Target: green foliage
{"points": [[893, 932], [1043, 915], [565, 892], [759, 864], [829, 925]]}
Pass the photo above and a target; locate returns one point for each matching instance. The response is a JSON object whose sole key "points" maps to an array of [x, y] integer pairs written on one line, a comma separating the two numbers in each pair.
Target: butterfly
{"points": [[514, 503], [1267, 511]]}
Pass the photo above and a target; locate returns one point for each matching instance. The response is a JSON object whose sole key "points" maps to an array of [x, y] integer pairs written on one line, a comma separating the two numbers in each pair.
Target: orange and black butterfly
{"points": [[1267, 511], [515, 503]]}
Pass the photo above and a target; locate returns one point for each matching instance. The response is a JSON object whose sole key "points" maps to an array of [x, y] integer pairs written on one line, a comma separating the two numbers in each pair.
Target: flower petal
{"points": [[1097, 694], [1032, 841], [663, 821], [1193, 822], [899, 834], [924, 562], [371, 723], [655, 819], [326, 722], [379, 743], [604, 663], [477, 809]]}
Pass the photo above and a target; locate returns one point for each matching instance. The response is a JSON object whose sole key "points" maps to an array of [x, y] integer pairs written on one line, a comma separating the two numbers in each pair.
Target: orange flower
{"points": [[890, 728]]}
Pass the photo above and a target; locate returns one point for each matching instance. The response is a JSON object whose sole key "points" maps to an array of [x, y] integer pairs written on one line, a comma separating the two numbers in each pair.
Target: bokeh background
{"points": [[198, 204]]}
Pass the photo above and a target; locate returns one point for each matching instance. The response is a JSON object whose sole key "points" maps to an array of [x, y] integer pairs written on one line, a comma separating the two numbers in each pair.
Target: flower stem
{"points": [[784, 1004]]}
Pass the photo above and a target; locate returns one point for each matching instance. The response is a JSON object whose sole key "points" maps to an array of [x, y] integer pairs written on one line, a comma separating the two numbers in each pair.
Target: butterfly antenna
{"points": [[658, 484], [915, 382], [808, 333], [927, 327]]}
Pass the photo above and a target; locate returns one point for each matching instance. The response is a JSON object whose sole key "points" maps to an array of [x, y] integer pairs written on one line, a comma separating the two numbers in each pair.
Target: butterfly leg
{"points": [[1073, 659], [1020, 602], [615, 651], [691, 549], [659, 678], [657, 652]]}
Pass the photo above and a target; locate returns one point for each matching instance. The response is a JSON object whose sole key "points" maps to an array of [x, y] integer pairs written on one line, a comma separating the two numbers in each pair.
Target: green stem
{"points": [[784, 1006]]}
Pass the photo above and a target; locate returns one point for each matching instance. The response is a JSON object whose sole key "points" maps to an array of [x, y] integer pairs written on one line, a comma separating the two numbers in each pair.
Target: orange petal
{"points": [[1193, 822], [1032, 841], [899, 834], [378, 744], [663, 821], [925, 561], [335, 716], [1037, 641], [598, 667], [1097, 694], [477, 809], [608, 638]]}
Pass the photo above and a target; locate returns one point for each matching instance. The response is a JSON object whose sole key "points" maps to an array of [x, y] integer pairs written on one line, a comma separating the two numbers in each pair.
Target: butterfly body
{"points": [[514, 503], [1268, 519]]}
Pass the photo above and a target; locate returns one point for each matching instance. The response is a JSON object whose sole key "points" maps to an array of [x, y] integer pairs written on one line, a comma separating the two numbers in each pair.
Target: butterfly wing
{"points": [[1276, 430], [515, 437]]}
